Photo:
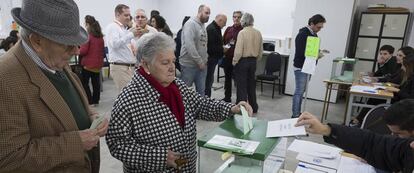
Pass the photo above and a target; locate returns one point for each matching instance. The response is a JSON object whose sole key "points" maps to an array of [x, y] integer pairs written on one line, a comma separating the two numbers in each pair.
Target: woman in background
{"points": [[92, 53], [159, 23]]}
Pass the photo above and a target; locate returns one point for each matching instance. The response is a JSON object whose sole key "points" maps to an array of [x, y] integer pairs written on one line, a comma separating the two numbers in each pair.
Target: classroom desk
{"points": [[329, 87], [382, 94]]}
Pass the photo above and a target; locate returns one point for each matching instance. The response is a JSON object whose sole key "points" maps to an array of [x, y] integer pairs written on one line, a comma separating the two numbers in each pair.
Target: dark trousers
{"points": [[93, 97], [211, 67], [244, 72], [228, 77]]}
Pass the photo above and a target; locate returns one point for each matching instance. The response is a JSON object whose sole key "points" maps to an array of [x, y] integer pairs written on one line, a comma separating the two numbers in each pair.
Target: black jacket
{"points": [[389, 68], [406, 90], [384, 152], [300, 45], [395, 78], [177, 49], [215, 41]]}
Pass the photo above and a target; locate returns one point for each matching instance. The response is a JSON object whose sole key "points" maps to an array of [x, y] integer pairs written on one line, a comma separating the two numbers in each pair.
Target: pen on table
{"points": [[306, 167], [369, 91]]}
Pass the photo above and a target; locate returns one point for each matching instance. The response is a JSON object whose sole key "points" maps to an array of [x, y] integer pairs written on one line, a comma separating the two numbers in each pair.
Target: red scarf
{"points": [[170, 96]]}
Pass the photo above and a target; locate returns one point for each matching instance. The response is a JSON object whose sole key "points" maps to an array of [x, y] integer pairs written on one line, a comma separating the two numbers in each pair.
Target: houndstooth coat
{"points": [[142, 128]]}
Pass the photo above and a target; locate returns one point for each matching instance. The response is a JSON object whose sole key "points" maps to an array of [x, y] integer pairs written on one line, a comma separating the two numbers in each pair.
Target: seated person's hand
{"points": [[374, 79], [392, 89], [236, 109], [313, 125], [89, 138]]}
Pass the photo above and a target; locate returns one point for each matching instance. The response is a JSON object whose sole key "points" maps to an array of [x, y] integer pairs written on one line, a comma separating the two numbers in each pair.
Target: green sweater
{"points": [[71, 97]]}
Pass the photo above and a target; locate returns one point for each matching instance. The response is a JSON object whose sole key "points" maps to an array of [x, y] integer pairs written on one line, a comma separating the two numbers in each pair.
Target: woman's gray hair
{"points": [[247, 20], [151, 44]]}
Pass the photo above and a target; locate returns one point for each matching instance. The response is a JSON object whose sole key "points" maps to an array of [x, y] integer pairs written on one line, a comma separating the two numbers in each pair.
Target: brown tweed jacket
{"points": [[37, 129]]}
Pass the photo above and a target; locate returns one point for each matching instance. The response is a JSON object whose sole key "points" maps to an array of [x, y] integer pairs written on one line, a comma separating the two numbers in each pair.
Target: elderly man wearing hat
{"points": [[44, 113]]}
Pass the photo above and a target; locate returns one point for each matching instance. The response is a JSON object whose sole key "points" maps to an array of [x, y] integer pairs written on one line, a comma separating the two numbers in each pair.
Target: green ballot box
{"points": [[248, 163]]}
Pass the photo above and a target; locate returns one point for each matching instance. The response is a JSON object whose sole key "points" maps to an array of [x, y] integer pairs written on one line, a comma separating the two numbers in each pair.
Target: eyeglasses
{"points": [[142, 17]]}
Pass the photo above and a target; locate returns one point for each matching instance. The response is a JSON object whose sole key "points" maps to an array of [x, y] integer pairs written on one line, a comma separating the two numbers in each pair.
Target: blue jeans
{"points": [[194, 75], [300, 86]]}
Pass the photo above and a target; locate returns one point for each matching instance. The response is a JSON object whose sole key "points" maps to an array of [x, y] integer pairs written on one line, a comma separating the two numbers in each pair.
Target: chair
{"points": [[374, 121], [273, 65]]}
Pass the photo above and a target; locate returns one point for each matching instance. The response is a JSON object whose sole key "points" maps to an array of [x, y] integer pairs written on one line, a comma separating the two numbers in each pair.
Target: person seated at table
{"points": [[385, 152], [396, 77], [387, 64], [400, 118], [153, 121], [405, 90]]}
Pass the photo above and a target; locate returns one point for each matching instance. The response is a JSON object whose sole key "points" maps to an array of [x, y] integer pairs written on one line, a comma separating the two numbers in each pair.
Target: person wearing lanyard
{"points": [[121, 58]]}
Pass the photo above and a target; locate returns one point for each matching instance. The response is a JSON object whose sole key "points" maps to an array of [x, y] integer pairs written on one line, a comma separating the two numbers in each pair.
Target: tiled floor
{"points": [[269, 109]]}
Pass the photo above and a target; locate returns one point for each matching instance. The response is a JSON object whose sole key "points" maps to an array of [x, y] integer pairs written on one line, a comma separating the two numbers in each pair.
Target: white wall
{"points": [[5, 16], [272, 17], [103, 11], [363, 4], [334, 35]]}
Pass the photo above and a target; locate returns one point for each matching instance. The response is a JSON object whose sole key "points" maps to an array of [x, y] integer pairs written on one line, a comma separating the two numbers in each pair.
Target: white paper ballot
{"points": [[309, 66], [247, 121], [315, 149], [96, 122], [348, 164], [285, 127], [310, 168], [329, 163], [232, 144]]}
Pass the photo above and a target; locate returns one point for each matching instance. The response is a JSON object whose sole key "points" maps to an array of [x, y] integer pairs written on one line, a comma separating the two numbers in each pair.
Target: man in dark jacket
{"points": [[178, 44], [389, 153], [214, 48], [387, 64], [315, 24]]}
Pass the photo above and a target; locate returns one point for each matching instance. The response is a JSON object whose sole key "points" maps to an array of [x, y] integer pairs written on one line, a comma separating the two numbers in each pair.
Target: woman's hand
{"points": [[171, 157], [236, 109], [313, 125], [392, 89]]}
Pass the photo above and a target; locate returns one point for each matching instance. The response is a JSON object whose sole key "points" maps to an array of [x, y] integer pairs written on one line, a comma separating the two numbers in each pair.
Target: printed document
{"points": [[232, 144], [285, 127]]}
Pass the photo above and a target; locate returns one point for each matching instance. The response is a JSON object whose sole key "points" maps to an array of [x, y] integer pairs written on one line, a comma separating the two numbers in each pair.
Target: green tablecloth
{"points": [[232, 128]]}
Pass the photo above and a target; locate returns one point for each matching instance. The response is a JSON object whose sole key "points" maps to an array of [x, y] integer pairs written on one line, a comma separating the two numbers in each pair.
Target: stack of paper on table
{"points": [[317, 154], [232, 144], [368, 89], [310, 168], [285, 127], [349, 164]]}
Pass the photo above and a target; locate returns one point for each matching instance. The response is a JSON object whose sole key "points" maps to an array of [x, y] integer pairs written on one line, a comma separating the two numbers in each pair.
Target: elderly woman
{"points": [[249, 49], [153, 120]]}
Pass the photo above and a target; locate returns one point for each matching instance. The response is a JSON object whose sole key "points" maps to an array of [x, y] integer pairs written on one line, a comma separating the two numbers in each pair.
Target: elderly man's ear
{"points": [[36, 41]]}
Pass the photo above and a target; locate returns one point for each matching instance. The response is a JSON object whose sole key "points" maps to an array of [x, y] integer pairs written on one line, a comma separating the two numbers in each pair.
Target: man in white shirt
{"points": [[142, 27], [121, 59]]}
